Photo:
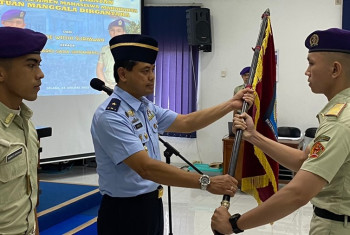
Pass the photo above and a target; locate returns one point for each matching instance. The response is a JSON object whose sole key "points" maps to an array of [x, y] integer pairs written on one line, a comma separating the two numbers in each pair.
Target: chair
{"points": [[292, 137], [308, 136], [287, 131]]}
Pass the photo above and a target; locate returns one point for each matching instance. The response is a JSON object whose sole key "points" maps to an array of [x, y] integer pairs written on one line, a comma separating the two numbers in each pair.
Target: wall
{"points": [[235, 27]]}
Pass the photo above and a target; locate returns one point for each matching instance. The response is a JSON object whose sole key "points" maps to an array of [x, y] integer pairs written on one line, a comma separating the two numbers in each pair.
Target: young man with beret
{"points": [[323, 170], [20, 78], [13, 18], [125, 135], [245, 77], [104, 68]]}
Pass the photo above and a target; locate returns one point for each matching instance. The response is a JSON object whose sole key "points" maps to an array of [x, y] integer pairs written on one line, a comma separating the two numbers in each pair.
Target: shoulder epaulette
{"points": [[336, 110], [113, 105]]}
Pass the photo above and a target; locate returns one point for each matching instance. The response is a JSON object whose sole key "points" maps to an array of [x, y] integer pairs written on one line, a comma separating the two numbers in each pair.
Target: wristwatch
{"points": [[204, 180], [233, 220]]}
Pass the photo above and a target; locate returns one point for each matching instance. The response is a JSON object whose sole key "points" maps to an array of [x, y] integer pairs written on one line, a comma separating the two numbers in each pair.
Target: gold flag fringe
{"points": [[250, 184]]}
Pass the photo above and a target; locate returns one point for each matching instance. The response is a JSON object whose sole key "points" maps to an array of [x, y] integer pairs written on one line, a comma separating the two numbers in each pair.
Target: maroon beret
{"points": [[16, 42]]}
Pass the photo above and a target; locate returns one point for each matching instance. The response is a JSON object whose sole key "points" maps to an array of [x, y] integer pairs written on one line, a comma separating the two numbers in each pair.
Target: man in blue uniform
{"points": [[323, 169], [20, 78], [125, 135]]}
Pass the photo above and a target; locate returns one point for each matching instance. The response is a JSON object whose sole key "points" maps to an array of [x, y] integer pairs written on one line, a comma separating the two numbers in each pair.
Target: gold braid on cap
{"points": [[134, 44]]}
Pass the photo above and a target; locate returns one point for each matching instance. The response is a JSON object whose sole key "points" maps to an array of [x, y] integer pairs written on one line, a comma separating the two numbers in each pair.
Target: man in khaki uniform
{"points": [[245, 76], [13, 18], [245, 72], [105, 64], [20, 78], [323, 170]]}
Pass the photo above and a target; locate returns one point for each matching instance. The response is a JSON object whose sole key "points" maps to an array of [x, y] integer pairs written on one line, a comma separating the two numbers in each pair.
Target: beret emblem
{"points": [[314, 40]]}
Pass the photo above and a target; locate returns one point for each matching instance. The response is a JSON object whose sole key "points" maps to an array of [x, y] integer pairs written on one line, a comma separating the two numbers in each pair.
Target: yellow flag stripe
{"points": [[250, 184]]}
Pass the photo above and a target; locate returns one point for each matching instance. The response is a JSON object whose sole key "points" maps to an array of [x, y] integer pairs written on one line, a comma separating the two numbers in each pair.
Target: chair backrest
{"points": [[288, 131], [309, 136], [310, 132]]}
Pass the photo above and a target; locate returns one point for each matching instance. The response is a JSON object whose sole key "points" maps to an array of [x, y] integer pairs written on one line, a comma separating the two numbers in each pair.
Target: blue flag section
{"points": [[76, 31]]}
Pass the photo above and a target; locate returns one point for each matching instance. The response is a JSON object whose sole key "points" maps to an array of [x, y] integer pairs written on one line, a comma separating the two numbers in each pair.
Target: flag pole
{"points": [[238, 137]]}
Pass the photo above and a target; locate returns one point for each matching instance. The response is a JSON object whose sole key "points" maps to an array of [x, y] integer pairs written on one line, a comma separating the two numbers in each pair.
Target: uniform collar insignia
{"points": [[113, 105]]}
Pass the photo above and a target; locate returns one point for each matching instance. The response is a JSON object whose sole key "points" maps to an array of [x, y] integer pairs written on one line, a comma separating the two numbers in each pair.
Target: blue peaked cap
{"points": [[134, 47]]}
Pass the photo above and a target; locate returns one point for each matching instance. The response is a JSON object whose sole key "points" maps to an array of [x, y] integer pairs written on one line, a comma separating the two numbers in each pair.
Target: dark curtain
{"points": [[177, 62], [346, 15]]}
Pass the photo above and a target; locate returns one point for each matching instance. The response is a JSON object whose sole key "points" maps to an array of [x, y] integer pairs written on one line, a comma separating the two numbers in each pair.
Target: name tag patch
{"points": [[138, 125], [13, 155]]}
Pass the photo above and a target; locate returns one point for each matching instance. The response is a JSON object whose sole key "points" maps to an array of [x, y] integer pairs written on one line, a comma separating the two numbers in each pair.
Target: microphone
{"points": [[99, 85]]}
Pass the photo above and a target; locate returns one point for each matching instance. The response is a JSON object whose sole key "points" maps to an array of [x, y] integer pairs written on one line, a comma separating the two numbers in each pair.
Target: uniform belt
{"points": [[158, 193], [154, 194], [330, 215]]}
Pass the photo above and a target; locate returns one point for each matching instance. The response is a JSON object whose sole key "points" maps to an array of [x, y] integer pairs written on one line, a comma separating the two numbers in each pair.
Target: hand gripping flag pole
{"points": [[238, 137]]}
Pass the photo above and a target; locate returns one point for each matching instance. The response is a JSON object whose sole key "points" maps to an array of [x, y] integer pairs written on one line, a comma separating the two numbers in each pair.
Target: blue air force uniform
{"points": [[122, 126]]}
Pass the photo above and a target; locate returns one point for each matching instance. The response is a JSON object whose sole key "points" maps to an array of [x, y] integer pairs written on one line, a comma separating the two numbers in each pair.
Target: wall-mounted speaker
{"points": [[198, 26]]}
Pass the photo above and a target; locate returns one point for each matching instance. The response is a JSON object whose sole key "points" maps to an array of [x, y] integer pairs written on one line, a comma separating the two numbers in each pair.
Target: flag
{"points": [[259, 171]]}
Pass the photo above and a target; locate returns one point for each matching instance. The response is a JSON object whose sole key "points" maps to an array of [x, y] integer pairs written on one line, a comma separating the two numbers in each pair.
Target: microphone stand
{"points": [[170, 150]]}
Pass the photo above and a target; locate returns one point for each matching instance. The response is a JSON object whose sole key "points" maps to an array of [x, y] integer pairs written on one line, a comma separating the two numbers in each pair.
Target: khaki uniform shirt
{"points": [[106, 58], [238, 88], [19, 147], [329, 157]]}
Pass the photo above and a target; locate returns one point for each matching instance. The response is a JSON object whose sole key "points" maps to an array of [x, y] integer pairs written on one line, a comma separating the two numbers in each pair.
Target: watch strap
{"points": [[233, 220]]}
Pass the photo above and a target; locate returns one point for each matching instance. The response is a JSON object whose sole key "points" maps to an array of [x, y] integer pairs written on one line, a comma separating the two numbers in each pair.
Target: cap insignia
{"points": [[314, 40]]}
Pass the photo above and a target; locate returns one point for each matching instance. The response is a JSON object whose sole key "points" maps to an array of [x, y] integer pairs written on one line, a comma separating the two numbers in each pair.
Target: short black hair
{"points": [[127, 64]]}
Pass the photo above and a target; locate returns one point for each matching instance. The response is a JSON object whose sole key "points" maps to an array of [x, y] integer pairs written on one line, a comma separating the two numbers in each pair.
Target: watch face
{"points": [[205, 179]]}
